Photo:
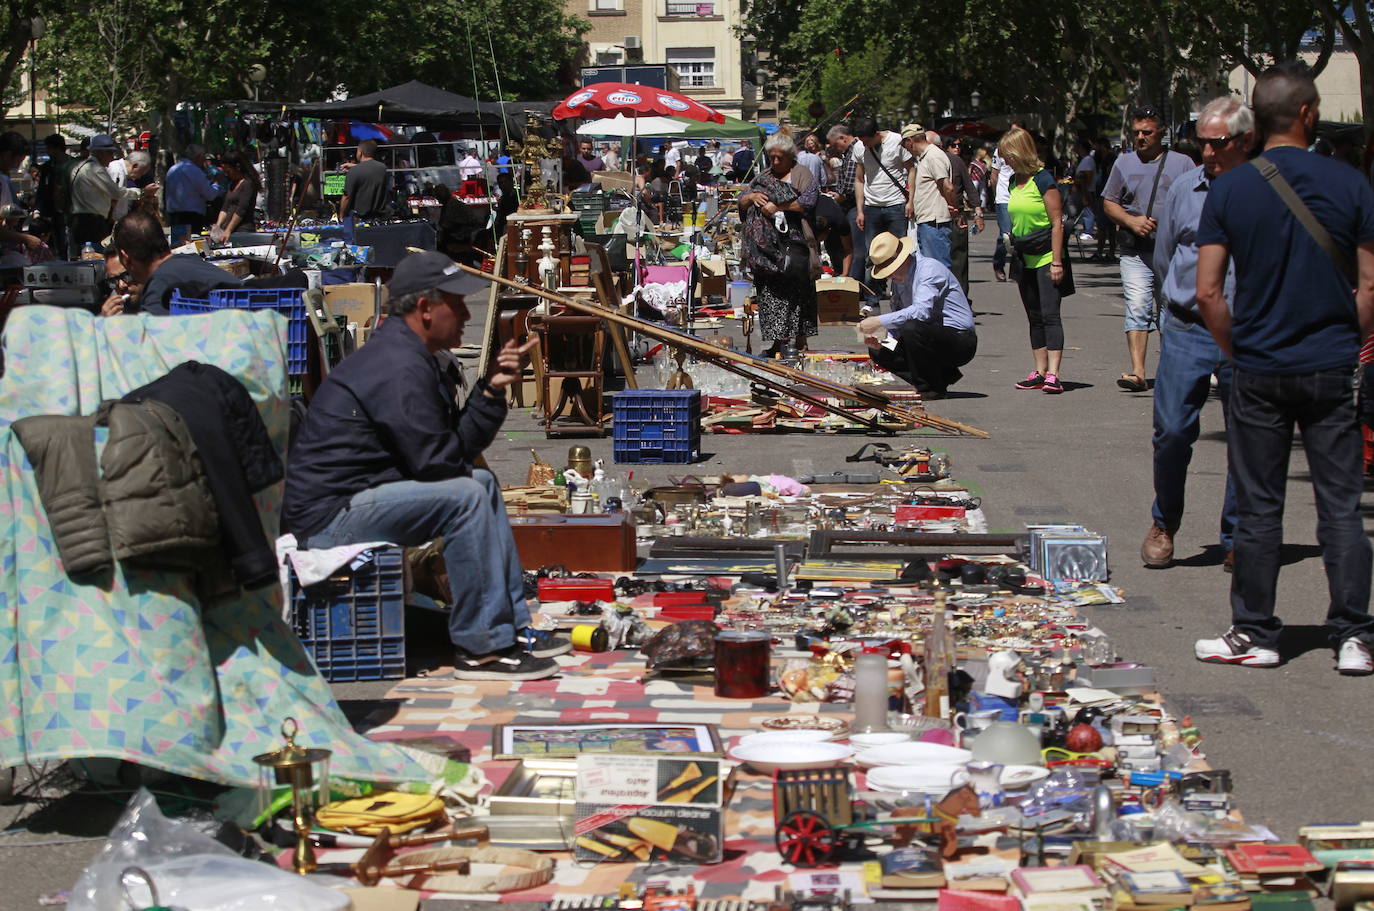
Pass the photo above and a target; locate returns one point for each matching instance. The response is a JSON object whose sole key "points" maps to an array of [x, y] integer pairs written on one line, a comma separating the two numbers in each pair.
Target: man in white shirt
{"points": [[883, 175], [1001, 177], [672, 155], [94, 193], [470, 168], [932, 195], [1084, 186]]}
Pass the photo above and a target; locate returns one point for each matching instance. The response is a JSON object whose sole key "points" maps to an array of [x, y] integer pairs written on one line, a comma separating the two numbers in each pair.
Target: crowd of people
{"points": [[80, 193]]}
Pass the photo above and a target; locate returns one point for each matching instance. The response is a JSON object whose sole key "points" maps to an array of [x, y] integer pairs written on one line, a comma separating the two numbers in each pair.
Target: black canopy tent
{"points": [[409, 103]]}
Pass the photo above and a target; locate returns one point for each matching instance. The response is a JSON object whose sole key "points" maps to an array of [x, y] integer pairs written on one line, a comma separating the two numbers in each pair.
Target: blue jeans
{"points": [[1188, 356], [935, 240], [484, 571], [1264, 411], [877, 219], [858, 263], [999, 253], [1141, 289]]}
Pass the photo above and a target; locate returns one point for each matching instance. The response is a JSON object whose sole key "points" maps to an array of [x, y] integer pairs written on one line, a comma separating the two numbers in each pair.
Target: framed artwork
{"points": [[529, 741]]}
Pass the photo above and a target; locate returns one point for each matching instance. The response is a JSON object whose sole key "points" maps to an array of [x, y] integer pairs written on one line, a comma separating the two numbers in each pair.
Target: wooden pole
{"points": [[733, 360]]}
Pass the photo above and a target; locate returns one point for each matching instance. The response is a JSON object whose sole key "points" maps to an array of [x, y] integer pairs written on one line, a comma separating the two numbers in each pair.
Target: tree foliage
{"points": [[1048, 62], [126, 61]]}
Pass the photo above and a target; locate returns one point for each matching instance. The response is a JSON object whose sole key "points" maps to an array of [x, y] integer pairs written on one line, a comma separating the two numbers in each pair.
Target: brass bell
{"points": [[580, 460]]}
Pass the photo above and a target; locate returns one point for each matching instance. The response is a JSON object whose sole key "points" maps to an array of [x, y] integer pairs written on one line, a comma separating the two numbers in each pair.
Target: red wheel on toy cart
{"points": [[805, 839]]}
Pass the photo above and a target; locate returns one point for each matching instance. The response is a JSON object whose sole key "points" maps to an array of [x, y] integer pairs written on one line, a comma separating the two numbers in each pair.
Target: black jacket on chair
{"points": [[237, 454]]}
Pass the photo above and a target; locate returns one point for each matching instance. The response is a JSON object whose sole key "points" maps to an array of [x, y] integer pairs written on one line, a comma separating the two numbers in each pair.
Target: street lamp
{"points": [[973, 100], [257, 73], [36, 29], [933, 106]]}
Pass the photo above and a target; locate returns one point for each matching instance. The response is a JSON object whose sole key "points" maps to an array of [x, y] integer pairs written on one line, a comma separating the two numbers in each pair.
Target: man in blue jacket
{"points": [[385, 454]]}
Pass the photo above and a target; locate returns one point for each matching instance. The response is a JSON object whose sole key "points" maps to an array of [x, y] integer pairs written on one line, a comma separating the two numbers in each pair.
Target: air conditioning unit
{"points": [[632, 43]]}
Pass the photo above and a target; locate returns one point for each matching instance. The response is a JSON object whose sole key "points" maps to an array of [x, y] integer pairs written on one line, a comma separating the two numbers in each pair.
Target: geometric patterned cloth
{"points": [[604, 688], [131, 665]]}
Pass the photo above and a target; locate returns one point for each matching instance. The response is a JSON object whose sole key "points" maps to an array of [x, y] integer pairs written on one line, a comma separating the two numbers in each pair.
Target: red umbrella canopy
{"points": [[606, 99]]}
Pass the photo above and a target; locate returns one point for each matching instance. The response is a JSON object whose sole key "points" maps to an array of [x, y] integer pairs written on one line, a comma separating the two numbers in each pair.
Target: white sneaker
{"points": [[1234, 647], [1086, 238], [865, 310], [1354, 659]]}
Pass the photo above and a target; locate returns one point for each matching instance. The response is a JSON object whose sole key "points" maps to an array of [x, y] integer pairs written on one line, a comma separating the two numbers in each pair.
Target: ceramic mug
{"points": [[976, 721]]}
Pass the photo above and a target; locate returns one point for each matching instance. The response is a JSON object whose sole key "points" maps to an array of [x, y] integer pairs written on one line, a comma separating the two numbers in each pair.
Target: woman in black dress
{"points": [[241, 202], [778, 243]]}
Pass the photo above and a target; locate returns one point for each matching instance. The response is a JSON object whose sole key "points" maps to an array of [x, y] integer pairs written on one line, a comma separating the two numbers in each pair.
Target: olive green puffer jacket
{"points": [[148, 502]]}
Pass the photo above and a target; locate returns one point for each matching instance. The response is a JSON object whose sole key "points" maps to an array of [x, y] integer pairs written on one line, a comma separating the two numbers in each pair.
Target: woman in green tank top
{"points": [[1037, 230]]}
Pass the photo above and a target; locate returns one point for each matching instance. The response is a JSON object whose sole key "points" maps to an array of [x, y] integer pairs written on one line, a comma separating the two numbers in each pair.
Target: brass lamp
{"points": [[296, 767]]}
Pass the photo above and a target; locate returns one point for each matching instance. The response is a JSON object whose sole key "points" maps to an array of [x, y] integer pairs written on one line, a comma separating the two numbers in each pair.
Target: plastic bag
{"points": [[190, 870]]}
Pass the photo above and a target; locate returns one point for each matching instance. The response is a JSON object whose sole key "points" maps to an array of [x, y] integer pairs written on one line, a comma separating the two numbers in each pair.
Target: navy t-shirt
{"points": [[1294, 311]]}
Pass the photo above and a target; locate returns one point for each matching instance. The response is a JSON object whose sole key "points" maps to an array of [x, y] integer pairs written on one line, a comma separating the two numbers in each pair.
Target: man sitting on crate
{"points": [[148, 259], [384, 454]]}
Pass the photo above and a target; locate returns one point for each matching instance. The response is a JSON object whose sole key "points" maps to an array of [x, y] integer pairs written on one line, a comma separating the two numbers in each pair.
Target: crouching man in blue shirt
{"points": [[931, 319], [385, 454]]}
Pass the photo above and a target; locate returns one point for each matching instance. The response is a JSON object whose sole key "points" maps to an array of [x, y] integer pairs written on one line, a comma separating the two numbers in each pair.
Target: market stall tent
{"points": [[411, 103]]}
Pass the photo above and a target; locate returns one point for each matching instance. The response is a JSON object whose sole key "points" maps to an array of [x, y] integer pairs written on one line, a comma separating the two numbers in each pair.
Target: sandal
{"points": [[1132, 383]]}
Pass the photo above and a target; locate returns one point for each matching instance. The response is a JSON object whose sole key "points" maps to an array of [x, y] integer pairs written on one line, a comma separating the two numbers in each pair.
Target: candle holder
{"points": [[296, 767]]}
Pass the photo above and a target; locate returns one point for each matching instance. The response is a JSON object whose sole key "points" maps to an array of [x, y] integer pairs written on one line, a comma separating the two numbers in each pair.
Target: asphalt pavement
{"points": [[1297, 739]]}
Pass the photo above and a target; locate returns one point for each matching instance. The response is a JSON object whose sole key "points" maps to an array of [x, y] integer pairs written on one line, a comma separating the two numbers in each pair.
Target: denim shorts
{"points": [[1138, 284]]}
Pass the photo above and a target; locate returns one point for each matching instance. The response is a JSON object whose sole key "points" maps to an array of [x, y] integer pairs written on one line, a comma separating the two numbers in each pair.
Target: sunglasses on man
{"points": [[1217, 142]]}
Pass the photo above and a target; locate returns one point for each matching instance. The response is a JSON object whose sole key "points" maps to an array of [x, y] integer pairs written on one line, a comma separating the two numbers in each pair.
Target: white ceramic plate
{"points": [[914, 753], [793, 754], [861, 742], [1021, 776], [766, 738], [936, 780]]}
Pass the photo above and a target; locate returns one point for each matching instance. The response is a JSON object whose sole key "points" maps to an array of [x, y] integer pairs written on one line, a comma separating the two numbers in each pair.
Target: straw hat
{"points": [[886, 254]]}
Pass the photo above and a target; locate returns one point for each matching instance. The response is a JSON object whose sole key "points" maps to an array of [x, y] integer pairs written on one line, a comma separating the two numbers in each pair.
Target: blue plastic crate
{"points": [[353, 623], [656, 426], [288, 302]]}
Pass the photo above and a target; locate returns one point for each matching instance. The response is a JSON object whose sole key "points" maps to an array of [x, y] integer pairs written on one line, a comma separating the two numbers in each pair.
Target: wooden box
{"points": [[601, 543]]}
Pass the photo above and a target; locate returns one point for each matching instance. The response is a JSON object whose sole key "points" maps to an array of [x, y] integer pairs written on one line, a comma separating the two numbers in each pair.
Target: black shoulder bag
{"points": [[1127, 241]]}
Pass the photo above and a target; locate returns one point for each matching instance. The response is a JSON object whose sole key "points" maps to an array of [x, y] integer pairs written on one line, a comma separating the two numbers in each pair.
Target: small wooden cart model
{"points": [[815, 815]]}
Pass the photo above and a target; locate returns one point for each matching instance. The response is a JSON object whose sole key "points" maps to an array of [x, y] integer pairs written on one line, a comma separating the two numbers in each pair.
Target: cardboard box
{"points": [[648, 808], [837, 300], [713, 278], [236, 267], [81, 274], [613, 180], [354, 300]]}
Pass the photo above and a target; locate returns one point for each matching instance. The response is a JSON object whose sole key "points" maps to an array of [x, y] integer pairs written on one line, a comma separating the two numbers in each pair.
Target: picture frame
{"points": [[547, 741]]}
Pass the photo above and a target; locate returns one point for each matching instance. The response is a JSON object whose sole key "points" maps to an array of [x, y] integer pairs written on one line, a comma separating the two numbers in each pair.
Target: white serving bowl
{"points": [[766, 738], [937, 780], [793, 754]]}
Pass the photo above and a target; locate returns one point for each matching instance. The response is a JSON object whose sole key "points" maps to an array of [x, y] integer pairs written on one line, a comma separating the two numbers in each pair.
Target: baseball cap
{"points": [[913, 130], [432, 269]]}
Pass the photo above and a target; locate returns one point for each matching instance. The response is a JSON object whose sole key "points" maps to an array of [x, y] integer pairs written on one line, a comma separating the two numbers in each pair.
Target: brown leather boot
{"points": [[1157, 551]]}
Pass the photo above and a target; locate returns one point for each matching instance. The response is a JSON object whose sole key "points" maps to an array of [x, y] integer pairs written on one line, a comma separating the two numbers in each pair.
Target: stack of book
{"points": [[1264, 867]]}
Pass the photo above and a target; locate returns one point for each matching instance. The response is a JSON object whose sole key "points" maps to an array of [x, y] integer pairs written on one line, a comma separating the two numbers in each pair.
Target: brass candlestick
{"points": [[531, 153], [294, 766]]}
